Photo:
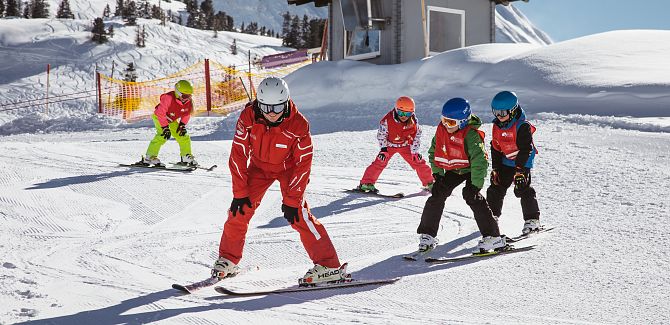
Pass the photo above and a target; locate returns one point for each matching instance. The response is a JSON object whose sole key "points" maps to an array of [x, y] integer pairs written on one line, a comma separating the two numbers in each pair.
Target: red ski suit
{"points": [[260, 155], [398, 138]]}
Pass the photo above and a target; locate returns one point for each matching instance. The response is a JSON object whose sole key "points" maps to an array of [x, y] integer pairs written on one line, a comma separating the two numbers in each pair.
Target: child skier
{"points": [[399, 132], [512, 155], [170, 117], [272, 142], [457, 155]]}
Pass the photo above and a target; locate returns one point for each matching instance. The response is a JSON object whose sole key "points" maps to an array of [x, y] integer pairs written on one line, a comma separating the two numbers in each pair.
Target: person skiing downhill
{"points": [[170, 118], [272, 142], [512, 156], [457, 155], [399, 132]]}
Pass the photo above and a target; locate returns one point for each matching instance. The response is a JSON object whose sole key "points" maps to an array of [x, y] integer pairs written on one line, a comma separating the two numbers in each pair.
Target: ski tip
{"points": [[180, 288]]}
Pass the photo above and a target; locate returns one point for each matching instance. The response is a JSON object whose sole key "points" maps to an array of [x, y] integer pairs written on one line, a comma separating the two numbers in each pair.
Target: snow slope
{"points": [[85, 242]]}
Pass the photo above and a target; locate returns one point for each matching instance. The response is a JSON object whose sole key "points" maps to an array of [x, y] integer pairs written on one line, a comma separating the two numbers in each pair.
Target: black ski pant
{"points": [[495, 194], [442, 188]]}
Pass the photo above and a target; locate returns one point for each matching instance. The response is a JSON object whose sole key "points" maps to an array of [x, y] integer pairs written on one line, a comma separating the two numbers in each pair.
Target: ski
{"points": [[393, 196], [510, 250], [522, 237], [353, 283], [190, 288], [188, 169], [209, 169]]}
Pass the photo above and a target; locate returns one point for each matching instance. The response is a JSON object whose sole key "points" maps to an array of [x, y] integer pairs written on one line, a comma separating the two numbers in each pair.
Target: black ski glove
{"points": [[166, 133], [181, 129], [521, 178], [383, 154], [290, 213], [238, 205]]}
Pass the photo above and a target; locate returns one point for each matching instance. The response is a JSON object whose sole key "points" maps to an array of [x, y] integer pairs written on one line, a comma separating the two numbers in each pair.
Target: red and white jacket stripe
{"points": [[286, 147]]}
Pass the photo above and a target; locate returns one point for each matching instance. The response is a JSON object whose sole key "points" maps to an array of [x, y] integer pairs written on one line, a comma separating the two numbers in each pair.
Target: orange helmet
{"points": [[405, 104]]}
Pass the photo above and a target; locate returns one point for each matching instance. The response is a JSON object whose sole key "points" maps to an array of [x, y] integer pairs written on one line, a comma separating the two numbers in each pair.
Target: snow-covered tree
{"points": [[107, 12], [39, 9], [64, 10], [99, 34], [130, 74]]}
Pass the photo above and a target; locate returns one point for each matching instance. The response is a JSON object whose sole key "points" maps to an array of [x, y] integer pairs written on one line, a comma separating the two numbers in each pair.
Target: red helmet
{"points": [[405, 104]]}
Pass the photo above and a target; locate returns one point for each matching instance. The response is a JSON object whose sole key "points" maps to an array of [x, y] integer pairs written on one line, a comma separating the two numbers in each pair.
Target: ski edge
{"points": [[190, 288], [353, 283], [398, 195], [439, 260], [159, 168], [522, 237]]}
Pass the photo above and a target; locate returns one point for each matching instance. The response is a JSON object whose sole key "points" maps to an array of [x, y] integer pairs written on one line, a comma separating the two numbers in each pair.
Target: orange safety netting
{"points": [[229, 89]]}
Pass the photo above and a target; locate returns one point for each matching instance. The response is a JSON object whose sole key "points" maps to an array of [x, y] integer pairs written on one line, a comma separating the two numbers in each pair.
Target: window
{"points": [[446, 29], [361, 44]]}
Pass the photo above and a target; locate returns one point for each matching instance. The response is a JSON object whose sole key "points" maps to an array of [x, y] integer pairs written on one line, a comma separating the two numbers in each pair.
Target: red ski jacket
{"points": [[170, 109], [284, 148]]}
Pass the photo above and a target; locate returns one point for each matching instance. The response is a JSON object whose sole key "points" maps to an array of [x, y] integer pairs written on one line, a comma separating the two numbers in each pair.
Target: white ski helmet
{"points": [[272, 91]]}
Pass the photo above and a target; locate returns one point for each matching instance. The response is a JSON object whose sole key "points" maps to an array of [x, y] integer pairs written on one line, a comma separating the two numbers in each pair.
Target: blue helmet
{"points": [[504, 103], [457, 109]]}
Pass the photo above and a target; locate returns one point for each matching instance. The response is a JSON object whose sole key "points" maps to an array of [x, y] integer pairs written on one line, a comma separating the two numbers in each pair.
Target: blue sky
{"points": [[566, 19]]}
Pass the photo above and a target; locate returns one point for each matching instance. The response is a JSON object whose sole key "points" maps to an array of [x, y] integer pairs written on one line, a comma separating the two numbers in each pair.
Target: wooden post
{"points": [[425, 32], [47, 97], [324, 41], [208, 88]]}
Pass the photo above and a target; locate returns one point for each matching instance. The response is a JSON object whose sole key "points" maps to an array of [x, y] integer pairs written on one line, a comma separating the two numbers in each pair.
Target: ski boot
{"points": [[367, 188], [490, 244], [427, 243], [153, 160], [188, 160], [530, 226], [224, 268], [320, 274]]}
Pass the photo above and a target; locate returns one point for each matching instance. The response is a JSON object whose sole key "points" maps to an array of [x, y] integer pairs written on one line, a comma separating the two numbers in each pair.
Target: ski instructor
{"points": [[272, 142]]}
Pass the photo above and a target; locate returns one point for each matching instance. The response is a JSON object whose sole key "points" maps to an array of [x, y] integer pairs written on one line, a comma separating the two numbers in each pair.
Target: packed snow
{"points": [[87, 242]]}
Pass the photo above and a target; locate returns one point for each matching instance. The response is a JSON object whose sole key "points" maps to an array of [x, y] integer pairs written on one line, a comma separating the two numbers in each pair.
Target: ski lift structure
{"points": [[396, 31]]}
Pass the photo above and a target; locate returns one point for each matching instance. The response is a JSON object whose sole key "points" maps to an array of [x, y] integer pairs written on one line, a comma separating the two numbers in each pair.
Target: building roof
{"points": [[318, 3]]}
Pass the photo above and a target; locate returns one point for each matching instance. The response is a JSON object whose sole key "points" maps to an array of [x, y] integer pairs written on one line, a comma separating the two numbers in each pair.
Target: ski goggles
{"points": [[450, 122], [277, 108], [403, 113], [503, 112]]}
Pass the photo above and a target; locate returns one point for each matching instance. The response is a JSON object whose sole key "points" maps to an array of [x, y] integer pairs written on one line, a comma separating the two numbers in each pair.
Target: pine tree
{"points": [[64, 11], [2, 8], [156, 12], [13, 8], [130, 13], [242, 28], [120, 7], [140, 36], [110, 31], [304, 32], [144, 10], [107, 12], [286, 25], [130, 74], [233, 47], [230, 24], [99, 31], [39, 9], [207, 12], [293, 37], [27, 10]]}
